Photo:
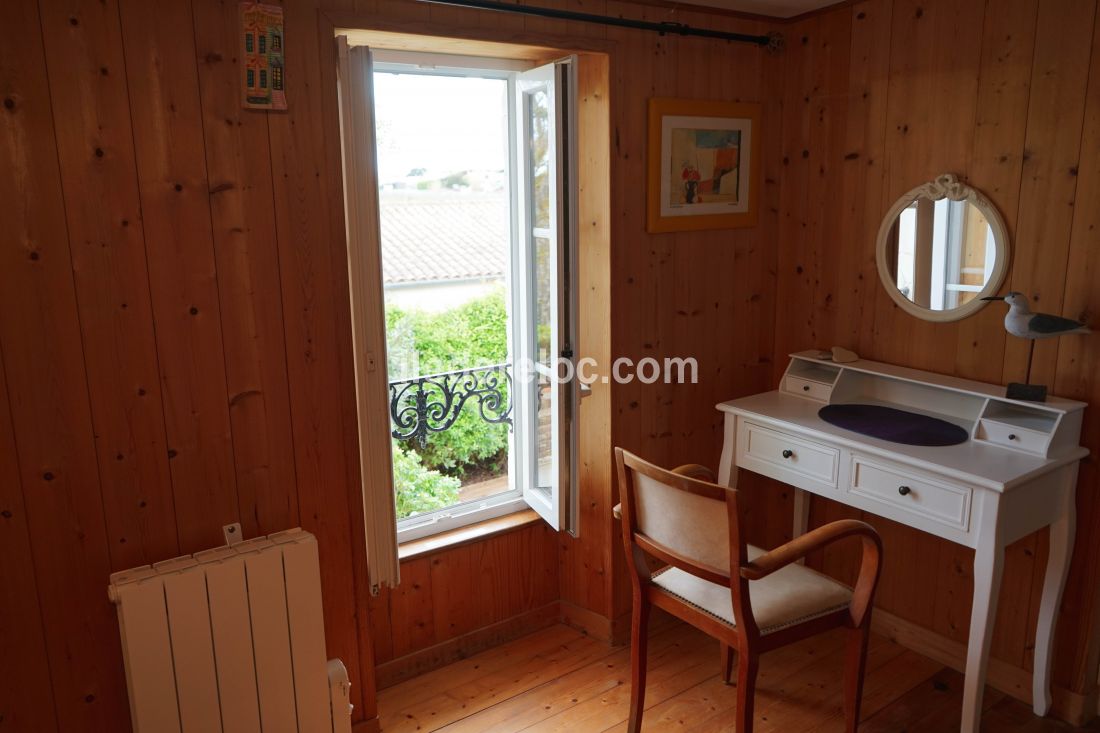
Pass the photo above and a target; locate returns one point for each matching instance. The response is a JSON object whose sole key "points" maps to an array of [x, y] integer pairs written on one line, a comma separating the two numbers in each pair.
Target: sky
{"points": [[443, 124]]}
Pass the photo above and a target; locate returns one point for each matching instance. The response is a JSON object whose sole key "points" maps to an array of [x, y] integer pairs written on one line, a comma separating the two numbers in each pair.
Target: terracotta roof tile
{"points": [[442, 236]]}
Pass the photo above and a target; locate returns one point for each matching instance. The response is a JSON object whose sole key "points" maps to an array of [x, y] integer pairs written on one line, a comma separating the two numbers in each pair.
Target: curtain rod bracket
{"points": [[772, 41]]}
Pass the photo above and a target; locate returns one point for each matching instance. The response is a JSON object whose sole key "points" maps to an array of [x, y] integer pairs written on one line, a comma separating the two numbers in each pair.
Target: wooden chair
{"points": [[684, 519]]}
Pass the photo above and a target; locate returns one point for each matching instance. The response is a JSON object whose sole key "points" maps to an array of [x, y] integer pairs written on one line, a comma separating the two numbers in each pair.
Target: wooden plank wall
{"points": [[885, 94], [174, 332], [174, 327], [456, 592]]}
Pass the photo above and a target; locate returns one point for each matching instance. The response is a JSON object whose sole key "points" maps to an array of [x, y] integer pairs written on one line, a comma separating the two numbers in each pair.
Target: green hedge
{"points": [[418, 488], [472, 334]]}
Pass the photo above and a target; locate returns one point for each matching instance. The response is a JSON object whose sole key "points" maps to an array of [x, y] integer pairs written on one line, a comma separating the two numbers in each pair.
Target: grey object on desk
{"points": [[896, 426]]}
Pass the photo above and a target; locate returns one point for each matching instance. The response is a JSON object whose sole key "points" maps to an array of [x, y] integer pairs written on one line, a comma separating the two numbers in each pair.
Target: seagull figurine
{"points": [[1020, 321]]}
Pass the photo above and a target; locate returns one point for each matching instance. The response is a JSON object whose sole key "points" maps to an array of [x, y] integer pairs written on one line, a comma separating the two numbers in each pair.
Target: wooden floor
{"points": [[560, 680]]}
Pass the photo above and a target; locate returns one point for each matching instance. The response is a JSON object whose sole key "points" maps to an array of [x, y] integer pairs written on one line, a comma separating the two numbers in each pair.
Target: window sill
{"points": [[465, 535]]}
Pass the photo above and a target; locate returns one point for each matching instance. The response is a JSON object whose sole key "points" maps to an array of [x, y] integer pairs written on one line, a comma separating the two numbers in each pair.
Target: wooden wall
{"points": [[175, 350], [173, 327], [174, 333], [463, 598], [878, 97]]}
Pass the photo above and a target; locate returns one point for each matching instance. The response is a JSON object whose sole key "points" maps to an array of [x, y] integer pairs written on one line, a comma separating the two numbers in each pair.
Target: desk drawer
{"points": [[788, 453], [914, 494], [1012, 437], [807, 388]]}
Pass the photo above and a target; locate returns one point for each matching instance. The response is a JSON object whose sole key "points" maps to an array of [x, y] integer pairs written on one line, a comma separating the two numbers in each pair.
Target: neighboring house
{"points": [[441, 249]]}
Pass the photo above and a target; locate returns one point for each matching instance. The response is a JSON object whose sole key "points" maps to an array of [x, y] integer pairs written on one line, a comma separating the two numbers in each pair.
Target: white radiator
{"points": [[231, 640]]}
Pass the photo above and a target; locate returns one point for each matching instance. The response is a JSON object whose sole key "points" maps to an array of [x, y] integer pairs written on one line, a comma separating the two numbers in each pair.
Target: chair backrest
{"points": [[686, 522]]}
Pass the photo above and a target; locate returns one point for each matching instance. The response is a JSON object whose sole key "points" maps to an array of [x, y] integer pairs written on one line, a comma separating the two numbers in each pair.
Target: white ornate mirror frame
{"points": [[944, 186]]}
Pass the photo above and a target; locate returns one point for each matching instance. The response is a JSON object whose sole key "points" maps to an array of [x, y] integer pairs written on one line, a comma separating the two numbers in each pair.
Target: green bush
{"points": [[420, 489], [469, 335]]}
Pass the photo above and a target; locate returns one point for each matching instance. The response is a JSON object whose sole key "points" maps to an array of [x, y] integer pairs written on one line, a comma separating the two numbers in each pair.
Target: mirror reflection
{"points": [[940, 253]]}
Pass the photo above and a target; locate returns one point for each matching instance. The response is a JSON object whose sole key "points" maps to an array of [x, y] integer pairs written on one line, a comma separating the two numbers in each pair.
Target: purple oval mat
{"points": [[897, 426]]}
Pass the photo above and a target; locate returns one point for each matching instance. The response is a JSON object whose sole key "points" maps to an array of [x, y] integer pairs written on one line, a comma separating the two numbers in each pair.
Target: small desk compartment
{"points": [[812, 380], [1017, 426]]}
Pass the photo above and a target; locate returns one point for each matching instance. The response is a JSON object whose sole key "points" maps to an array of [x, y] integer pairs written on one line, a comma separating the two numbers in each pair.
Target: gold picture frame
{"points": [[704, 162]]}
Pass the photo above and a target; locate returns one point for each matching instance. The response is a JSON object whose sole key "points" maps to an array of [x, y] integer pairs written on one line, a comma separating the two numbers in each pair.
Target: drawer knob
{"points": [[788, 453], [904, 490], [1012, 436], [805, 388]]}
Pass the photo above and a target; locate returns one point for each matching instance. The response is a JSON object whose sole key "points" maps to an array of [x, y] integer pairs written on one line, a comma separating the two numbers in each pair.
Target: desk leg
{"points": [[1062, 532], [727, 465], [988, 566], [801, 512]]}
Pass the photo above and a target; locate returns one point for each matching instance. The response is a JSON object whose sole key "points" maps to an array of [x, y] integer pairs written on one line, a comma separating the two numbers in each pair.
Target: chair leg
{"points": [[747, 666], [639, 642], [855, 666], [727, 663]]}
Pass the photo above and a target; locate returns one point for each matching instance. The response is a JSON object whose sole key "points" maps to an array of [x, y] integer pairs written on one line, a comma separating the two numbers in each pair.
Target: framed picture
{"points": [[263, 83], [703, 163]]}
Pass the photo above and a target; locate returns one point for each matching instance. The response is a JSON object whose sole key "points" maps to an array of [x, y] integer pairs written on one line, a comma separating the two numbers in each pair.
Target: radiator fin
{"points": [[147, 651], [306, 633], [192, 652], [232, 631]]}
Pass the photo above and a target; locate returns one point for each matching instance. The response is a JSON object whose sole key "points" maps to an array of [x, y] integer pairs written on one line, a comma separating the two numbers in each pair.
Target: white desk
{"points": [[1017, 473]]}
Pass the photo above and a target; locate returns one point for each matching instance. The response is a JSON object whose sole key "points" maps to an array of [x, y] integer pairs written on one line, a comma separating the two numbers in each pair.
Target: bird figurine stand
{"points": [[1027, 391], [1021, 322]]}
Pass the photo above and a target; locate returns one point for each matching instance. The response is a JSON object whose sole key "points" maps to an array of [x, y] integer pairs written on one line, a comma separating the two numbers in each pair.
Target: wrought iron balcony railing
{"points": [[432, 403]]}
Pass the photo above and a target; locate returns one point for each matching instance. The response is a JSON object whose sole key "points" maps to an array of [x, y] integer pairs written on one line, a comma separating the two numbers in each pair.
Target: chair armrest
{"points": [[695, 470], [780, 557]]}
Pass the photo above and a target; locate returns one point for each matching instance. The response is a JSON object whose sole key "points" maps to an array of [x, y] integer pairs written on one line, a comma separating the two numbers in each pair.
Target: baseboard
{"points": [[1072, 707], [613, 631], [372, 725], [419, 662]]}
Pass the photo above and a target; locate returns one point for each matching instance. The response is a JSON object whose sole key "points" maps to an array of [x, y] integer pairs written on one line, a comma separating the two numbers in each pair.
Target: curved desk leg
{"points": [[988, 567], [1062, 532], [727, 464]]}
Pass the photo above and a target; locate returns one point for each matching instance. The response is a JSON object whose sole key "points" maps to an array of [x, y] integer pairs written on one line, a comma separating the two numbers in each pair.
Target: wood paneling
{"points": [[49, 401], [174, 331], [174, 321], [997, 93], [449, 593]]}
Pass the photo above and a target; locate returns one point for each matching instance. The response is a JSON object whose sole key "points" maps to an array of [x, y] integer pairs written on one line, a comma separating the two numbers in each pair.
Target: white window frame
{"points": [[477, 510]]}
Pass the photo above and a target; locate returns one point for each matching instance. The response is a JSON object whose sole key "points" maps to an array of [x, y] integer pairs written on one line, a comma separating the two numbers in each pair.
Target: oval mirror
{"points": [[941, 249]]}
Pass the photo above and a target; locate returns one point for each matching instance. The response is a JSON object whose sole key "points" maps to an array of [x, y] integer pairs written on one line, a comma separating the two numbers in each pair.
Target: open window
{"points": [[545, 293], [475, 242]]}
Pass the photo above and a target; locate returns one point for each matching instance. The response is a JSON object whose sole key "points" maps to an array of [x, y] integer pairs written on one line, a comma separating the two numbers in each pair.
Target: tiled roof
{"points": [[441, 236]]}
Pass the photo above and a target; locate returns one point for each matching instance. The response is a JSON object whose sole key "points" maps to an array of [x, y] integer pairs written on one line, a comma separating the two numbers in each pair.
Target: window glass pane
{"points": [[544, 443], [538, 113], [543, 297], [443, 174]]}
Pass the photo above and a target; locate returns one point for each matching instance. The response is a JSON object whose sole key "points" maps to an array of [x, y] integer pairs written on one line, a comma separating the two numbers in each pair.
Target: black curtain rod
{"points": [[772, 41]]}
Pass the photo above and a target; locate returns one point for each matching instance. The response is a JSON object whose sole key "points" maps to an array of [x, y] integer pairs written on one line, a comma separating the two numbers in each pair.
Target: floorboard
{"points": [[559, 680]]}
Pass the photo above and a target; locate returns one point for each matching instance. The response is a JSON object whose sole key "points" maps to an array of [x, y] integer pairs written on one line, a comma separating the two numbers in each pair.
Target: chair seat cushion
{"points": [[785, 598]]}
